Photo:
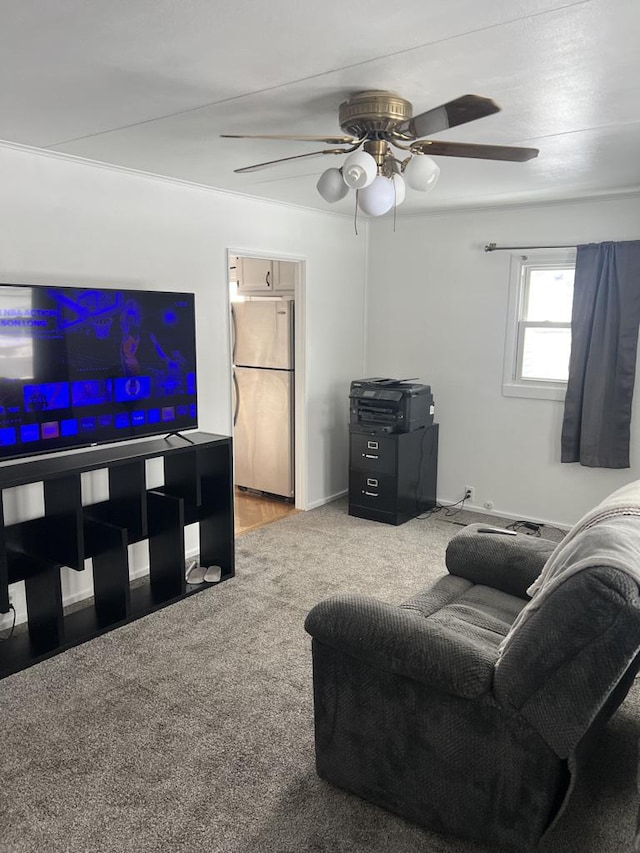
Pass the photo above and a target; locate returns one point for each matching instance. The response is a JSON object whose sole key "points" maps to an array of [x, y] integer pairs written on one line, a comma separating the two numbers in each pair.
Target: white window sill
{"points": [[533, 390]]}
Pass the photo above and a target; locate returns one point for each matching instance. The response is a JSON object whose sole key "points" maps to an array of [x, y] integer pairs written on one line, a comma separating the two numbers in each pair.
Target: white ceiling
{"points": [[150, 85]]}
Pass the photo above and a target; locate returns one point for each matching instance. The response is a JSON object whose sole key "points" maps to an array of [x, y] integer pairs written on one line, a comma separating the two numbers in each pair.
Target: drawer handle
{"points": [[370, 494], [370, 456]]}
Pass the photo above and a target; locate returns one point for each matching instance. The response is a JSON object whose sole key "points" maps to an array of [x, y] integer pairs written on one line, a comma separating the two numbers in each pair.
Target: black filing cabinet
{"points": [[393, 478]]}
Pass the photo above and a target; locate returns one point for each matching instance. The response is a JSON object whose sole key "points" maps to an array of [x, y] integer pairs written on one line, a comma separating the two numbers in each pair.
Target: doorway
{"points": [[266, 321]]}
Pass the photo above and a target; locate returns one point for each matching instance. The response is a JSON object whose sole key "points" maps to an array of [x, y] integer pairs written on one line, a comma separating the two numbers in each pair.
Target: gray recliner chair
{"points": [[418, 709]]}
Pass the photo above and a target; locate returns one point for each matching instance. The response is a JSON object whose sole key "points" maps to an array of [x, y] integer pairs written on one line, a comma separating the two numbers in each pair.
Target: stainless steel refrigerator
{"points": [[263, 371]]}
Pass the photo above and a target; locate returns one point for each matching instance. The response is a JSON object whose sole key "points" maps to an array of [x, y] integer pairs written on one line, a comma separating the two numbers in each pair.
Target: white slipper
{"points": [[195, 573], [213, 574]]}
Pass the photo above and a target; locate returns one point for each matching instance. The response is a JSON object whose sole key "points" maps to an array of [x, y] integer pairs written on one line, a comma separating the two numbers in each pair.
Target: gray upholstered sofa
{"points": [[418, 709]]}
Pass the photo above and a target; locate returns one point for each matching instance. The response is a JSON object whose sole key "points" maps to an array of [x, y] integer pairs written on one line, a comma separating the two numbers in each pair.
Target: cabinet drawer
{"points": [[379, 492], [374, 453]]}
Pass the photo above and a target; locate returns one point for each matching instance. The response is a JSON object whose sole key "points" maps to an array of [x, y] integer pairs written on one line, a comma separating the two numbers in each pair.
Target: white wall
{"points": [[70, 222], [437, 308]]}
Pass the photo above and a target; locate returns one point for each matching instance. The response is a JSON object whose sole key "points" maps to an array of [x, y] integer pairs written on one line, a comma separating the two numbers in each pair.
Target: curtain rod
{"points": [[493, 247]]}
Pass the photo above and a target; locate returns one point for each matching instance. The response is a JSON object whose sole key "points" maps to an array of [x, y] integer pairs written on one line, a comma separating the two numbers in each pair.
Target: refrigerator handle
{"points": [[234, 332], [236, 407]]}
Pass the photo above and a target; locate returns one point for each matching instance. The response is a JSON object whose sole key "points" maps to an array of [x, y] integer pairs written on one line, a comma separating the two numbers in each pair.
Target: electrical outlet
{"points": [[469, 493]]}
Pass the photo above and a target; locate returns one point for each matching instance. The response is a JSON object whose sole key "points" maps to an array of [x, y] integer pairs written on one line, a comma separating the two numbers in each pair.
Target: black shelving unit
{"points": [[393, 478], [198, 488]]}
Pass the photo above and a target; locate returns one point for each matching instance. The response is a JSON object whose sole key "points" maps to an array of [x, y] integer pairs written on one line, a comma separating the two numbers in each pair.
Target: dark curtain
{"points": [[604, 340]]}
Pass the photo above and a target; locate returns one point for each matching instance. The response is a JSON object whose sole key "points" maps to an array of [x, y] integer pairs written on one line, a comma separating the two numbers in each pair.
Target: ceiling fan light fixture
{"points": [[331, 185], [421, 173], [376, 122], [359, 170], [377, 198]]}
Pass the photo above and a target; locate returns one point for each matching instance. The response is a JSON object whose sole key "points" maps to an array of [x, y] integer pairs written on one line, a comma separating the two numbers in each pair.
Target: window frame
{"points": [[513, 384]]}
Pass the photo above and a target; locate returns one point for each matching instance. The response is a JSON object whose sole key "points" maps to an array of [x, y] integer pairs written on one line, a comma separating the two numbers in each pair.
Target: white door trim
{"points": [[300, 391]]}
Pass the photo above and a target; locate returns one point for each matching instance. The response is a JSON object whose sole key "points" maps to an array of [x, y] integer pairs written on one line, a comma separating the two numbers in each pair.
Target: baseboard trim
{"points": [[508, 515], [328, 500]]}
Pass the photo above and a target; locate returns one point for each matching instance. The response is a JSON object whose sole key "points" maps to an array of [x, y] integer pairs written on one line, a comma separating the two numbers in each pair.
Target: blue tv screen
{"points": [[83, 366]]}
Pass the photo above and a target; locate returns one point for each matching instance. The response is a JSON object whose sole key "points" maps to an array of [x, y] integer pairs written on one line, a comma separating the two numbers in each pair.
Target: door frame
{"points": [[300, 325]]}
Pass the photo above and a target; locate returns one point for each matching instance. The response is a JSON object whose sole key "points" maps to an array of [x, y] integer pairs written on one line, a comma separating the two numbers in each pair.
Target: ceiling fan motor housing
{"points": [[373, 112]]}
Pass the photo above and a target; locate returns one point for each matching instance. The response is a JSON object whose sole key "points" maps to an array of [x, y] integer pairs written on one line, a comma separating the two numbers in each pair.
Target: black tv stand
{"points": [[179, 435], [197, 488]]}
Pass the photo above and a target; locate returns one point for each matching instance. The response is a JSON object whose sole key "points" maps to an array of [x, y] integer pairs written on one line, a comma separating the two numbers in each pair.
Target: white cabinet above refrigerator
{"points": [[263, 275]]}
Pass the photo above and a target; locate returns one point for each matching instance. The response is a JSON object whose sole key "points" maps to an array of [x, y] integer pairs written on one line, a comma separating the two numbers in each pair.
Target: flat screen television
{"points": [[83, 365]]}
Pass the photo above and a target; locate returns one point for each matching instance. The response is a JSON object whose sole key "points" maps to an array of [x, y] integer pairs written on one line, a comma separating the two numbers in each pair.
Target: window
{"points": [[538, 341]]}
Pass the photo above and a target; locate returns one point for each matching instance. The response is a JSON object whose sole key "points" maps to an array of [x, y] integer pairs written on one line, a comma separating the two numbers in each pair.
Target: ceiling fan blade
{"points": [[460, 111], [482, 152], [328, 140], [258, 166]]}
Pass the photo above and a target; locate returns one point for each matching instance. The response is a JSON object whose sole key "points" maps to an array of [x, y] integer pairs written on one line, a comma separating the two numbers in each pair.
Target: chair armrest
{"points": [[586, 636], [404, 642], [508, 563]]}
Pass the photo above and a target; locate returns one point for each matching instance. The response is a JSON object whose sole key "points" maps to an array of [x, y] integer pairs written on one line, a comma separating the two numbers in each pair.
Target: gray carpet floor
{"points": [[192, 729]]}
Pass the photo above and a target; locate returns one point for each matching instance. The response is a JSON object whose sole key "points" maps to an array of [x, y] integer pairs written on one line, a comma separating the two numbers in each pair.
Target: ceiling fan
{"points": [[378, 122]]}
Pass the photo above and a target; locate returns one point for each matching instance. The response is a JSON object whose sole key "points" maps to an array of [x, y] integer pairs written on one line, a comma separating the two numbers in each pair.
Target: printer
{"points": [[381, 406]]}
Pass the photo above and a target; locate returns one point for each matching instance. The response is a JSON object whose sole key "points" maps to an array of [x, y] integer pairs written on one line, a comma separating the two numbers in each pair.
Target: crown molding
{"points": [[126, 170], [608, 195]]}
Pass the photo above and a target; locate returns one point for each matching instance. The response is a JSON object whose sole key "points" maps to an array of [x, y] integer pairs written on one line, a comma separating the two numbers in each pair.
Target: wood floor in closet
{"points": [[253, 510]]}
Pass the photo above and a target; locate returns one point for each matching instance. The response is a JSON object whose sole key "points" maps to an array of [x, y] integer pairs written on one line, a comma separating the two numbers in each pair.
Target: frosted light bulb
{"points": [[378, 197], [359, 170], [421, 173], [331, 186]]}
